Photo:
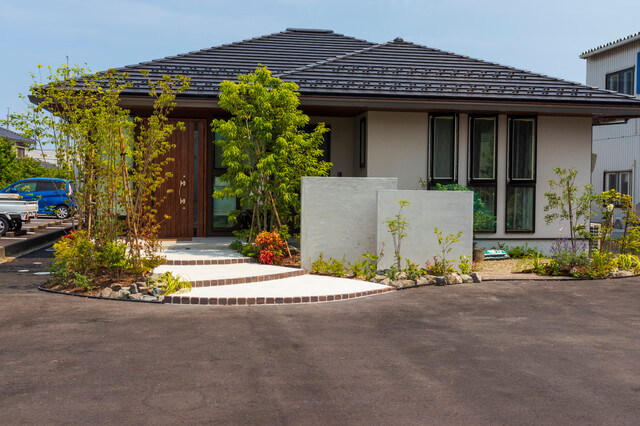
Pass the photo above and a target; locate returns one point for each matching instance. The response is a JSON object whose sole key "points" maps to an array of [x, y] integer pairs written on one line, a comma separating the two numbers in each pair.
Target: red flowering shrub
{"points": [[270, 248]]}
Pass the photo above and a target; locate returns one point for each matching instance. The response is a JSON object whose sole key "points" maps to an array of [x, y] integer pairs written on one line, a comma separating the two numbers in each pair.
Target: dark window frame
{"points": [[617, 172], [363, 143], [506, 208], [484, 183], [326, 141], [456, 146], [520, 182], [619, 74], [471, 144]]}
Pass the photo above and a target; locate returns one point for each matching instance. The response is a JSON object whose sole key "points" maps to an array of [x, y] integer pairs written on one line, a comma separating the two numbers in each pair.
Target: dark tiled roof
{"points": [[324, 63], [280, 52], [16, 137], [402, 69]]}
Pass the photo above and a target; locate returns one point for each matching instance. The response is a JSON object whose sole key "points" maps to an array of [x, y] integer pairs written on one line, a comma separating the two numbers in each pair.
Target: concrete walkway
{"points": [[220, 276]]}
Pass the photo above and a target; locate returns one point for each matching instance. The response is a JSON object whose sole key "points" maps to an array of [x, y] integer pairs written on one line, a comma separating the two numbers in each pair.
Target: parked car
{"points": [[54, 196]]}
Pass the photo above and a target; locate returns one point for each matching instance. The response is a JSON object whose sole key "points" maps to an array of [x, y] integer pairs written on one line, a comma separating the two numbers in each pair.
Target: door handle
{"points": [[183, 201]]}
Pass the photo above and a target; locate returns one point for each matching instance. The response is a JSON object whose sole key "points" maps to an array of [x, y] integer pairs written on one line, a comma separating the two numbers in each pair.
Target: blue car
{"points": [[53, 195]]}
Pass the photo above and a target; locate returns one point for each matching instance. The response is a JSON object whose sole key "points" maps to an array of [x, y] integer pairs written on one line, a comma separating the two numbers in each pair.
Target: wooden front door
{"points": [[182, 204]]}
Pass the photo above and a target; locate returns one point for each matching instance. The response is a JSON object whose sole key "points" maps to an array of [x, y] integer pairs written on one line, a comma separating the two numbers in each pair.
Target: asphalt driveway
{"points": [[490, 353]]}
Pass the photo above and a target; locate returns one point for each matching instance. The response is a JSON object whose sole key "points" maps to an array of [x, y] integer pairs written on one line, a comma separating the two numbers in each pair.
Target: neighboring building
{"points": [[23, 145], [47, 157], [615, 66], [395, 109]]}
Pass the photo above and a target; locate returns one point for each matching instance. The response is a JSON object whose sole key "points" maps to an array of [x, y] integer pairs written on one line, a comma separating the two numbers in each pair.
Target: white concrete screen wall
{"points": [[449, 211], [338, 217]]}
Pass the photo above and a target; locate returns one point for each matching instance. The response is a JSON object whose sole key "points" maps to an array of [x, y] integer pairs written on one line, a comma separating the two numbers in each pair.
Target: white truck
{"points": [[14, 212]]}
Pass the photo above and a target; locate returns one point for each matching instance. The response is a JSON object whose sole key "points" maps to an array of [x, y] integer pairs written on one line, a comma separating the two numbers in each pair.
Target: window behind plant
{"points": [[482, 164]]}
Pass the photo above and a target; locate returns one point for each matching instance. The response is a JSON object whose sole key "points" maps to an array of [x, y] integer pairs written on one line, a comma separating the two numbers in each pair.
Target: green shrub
{"points": [[172, 284], [336, 267], [413, 271], [320, 266], [74, 254], [602, 263], [628, 262], [113, 257], [392, 273], [464, 265]]}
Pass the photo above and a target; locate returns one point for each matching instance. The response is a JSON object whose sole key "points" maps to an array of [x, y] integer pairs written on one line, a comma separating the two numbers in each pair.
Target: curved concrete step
{"points": [[301, 289], [229, 273], [207, 261]]}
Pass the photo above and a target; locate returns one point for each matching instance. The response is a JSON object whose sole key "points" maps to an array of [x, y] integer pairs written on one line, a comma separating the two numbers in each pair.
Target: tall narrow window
{"points": [[521, 175], [326, 141], [363, 143], [444, 149], [482, 169]]}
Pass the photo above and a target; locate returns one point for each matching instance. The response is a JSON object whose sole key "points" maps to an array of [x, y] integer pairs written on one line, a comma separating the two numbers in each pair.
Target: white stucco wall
{"points": [[342, 141], [397, 146]]}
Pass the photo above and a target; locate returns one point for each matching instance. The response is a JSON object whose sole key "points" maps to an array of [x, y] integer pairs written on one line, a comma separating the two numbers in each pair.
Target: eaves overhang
{"points": [[617, 111]]}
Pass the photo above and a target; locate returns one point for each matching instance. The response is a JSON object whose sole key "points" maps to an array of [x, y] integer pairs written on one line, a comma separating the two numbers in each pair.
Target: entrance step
{"points": [[228, 273], [301, 289], [208, 261]]}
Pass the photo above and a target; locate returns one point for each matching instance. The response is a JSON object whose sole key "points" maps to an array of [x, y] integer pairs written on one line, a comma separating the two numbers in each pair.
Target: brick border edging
{"points": [[248, 301], [247, 280], [193, 262]]}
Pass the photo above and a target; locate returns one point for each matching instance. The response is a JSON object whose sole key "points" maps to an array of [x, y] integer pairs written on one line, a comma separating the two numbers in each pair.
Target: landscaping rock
{"points": [[157, 291], [624, 273], [135, 296], [426, 280], [106, 293], [477, 278], [378, 278], [404, 283], [124, 294], [133, 289], [116, 287], [441, 281], [349, 275], [402, 276], [143, 290], [155, 276], [387, 281], [466, 278], [148, 299], [452, 279]]}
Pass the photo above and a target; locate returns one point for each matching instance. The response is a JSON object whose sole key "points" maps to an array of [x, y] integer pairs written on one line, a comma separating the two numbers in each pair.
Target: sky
{"points": [[544, 36]]}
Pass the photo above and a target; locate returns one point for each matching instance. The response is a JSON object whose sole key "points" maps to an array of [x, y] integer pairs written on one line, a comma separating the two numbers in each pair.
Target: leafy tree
{"points": [[265, 149], [115, 171], [8, 165], [564, 203]]}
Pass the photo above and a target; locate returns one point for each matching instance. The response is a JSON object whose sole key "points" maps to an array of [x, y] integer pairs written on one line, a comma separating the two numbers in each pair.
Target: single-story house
{"points": [[395, 109], [23, 145]]}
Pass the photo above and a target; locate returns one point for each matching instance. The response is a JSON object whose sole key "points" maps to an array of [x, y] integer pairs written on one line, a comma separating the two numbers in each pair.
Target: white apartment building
{"points": [[615, 66]]}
